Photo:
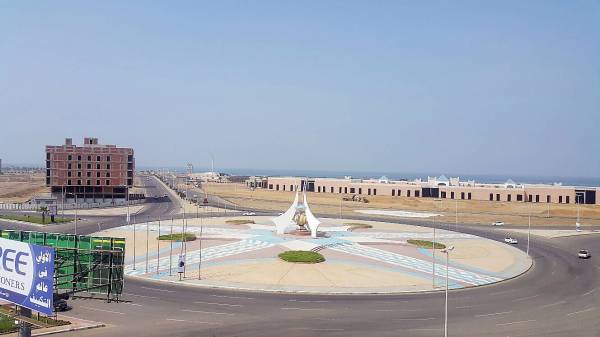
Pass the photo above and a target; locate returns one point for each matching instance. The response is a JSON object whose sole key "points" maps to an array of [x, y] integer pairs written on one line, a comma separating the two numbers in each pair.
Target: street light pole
{"points": [[433, 249], [447, 251], [529, 230]]}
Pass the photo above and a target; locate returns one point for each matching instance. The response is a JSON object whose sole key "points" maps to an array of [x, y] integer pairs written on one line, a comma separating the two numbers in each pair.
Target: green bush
{"points": [[357, 225], [301, 256], [426, 244], [34, 219], [179, 237], [239, 222]]}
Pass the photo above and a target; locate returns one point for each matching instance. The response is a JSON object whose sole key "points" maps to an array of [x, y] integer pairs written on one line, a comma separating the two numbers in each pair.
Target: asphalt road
{"points": [[559, 296]]}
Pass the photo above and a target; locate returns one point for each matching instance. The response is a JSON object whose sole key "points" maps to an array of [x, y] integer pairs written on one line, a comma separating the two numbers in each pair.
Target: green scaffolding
{"points": [[82, 263]]}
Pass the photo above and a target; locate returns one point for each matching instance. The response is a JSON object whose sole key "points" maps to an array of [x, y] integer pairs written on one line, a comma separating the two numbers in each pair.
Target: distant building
{"points": [[92, 172], [436, 187]]}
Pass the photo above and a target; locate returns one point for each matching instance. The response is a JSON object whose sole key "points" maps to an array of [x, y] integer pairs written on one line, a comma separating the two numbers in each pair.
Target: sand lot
{"points": [[469, 211], [21, 187]]}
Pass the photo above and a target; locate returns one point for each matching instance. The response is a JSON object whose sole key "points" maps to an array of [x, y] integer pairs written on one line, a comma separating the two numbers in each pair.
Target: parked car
{"points": [[584, 254], [248, 213], [61, 305], [498, 223], [511, 241]]}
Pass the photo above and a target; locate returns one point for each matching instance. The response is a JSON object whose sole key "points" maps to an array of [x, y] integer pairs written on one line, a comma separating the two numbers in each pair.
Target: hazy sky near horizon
{"points": [[511, 87]]}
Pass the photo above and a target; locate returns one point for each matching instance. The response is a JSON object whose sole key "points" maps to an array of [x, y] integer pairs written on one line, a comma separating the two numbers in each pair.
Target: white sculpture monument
{"points": [[297, 217]]}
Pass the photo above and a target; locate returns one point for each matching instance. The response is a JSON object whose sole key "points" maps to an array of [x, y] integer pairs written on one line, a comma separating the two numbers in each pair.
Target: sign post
{"points": [[181, 265]]}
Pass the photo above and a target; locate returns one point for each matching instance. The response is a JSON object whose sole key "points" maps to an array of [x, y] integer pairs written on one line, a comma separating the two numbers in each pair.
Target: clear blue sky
{"points": [[402, 86]]}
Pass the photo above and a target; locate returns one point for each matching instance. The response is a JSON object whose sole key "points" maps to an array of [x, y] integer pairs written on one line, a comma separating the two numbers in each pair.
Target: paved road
{"points": [[559, 296]]}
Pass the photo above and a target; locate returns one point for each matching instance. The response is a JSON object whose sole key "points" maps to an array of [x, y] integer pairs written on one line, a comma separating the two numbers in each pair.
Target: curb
{"points": [[71, 329]]}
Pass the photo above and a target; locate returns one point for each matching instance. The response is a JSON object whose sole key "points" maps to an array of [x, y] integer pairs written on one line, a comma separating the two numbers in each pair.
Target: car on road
{"points": [[498, 223], [584, 254], [248, 213], [510, 240], [61, 305]]}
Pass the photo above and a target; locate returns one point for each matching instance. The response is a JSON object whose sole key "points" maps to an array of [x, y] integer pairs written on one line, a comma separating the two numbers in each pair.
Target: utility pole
{"points": [[158, 247], [147, 240], [447, 251], [433, 250], [171, 250], [529, 230]]}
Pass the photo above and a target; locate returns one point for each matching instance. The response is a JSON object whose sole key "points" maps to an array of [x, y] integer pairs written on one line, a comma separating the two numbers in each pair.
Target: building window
{"points": [[469, 196], [369, 191], [89, 174], [331, 189], [69, 157], [462, 195], [69, 166], [108, 167], [491, 196], [451, 195], [417, 194], [79, 166], [560, 199], [88, 182], [509, 197], [548, 199], [79, 157], [394, 194], [107, 182], [98, 182], [497, 196], [89, 158], [97, 166], [107, 158], [79, 174], [270, 186], [97, 174], [78, 182], [339, 190], [537, 198], [69, 182], [530, 198], [346, 190], [567, 199], [68, 173], [89, 166], [97, 158], [352, 190], [519, 197], [277, 187], [408, 193], [374, 191], [443, 194], [359, 190]]}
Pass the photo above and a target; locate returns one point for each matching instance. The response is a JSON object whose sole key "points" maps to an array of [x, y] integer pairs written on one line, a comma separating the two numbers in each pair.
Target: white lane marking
{"points": [[223, 304], [301, 301], [464, 307], [517, 322], [384, 310], [415, 319], [423, 329], [288, 308], [317, 329], [494, 314], [195, 322], [109, 311], [208, 312], [158, 289], [581, 311], [234, 297], [553, 304], [525, 298], [134, 304], [589, 292], [144, 296]]}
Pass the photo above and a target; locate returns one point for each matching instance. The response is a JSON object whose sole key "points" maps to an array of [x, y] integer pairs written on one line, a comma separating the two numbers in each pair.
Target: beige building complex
{"points": [[435, 187]]}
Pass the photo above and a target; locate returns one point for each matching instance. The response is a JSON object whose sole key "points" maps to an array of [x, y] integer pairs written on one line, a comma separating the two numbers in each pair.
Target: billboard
{"points": [[27, 275]]}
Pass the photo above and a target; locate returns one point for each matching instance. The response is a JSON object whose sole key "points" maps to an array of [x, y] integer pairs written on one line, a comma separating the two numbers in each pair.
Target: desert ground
{"points": [[465, 211], [20, 187]]}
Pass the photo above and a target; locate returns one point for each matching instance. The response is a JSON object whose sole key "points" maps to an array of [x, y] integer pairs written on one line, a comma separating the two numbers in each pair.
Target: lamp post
{"points": [[447, 251], [433, 252], [529, 230]]}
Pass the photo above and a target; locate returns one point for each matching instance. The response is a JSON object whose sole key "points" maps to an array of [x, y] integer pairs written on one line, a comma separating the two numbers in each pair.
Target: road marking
{"points": [[195, 322], [300, 301], [109, 311], [208, 312], [517, 322], [581, 311], [464, 307], [415, 319], [234, 297], [288, 308], [134, 304], [525, 298], [385, 310], [157, 289], [144, 296], [494, 314], [317, 329], [589, 292], [223, 304], [553, 304]]}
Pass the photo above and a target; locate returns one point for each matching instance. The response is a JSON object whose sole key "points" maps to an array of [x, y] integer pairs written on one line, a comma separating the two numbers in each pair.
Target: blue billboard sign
{"points": [[27, 275]]}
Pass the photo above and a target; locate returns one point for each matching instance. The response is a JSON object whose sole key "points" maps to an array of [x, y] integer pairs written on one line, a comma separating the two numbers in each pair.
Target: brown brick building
{"points": [[92, 172]]}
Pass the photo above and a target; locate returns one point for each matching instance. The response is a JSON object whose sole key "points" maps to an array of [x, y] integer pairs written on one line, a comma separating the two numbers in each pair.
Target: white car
{"points": [[584, 254], [498, 223], [510, 240], [248, 213]]}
